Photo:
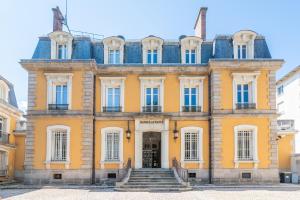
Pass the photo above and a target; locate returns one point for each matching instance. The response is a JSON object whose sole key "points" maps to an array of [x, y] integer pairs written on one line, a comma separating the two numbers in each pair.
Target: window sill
{"points": [[66, 163], [237, 162]]}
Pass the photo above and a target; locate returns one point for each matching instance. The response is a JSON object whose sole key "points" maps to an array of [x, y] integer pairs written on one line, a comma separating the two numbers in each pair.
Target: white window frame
{"points": [[191, 43], [6, 119], [112, 82], [198, 130], [280, 90], [245, 78], [192, 82], [113, 43], [151, 82], [3, 149], [61, 38], [244, 38], [243, 127], [104, 131], [5, 89], [152, 43], [50, 131], [54, 79]]}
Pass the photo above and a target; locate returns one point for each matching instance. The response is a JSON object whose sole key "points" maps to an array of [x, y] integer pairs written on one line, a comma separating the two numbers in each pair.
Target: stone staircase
{"points": [[152, 180]]}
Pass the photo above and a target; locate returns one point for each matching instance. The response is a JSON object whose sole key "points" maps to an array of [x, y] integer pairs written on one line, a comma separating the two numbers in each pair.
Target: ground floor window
{"points": [[191, 144]]}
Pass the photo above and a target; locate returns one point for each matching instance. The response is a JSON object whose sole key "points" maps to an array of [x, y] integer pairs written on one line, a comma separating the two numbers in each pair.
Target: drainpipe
{"points": [[94, 132], [209, 132]]}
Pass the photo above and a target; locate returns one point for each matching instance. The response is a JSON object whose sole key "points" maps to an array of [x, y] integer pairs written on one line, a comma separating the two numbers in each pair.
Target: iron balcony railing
{"points": [[191, 108], [241, 106], [152, 109], [4, 137], [112, 109], [285, 124], [58, 106]]}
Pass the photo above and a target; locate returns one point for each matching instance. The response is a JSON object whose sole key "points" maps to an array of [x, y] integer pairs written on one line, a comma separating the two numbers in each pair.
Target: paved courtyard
{"points": [[204, 193]]}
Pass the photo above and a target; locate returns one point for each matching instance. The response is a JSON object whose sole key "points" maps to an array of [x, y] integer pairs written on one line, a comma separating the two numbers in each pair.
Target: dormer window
{"points": [[4, 89], [191, 50], [61, 45], [243, 44], [113, 50], [152, 50]]}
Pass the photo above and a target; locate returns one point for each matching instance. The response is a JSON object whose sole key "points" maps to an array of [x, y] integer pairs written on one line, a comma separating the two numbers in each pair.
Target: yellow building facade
{"points": [[205, 107]]}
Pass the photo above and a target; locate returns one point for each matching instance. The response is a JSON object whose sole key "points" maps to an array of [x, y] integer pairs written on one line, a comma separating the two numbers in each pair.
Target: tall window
{"points": [[245, 145], [152, 57], [2, 93], [62, 51], [190, 56], [61, 94], [113, 100], [280, 90], [191, 140], [191, 99], [242, 51], [112, 141], [1, 128], [242, 93], [152, 100], [114, 56], [59, 145]]}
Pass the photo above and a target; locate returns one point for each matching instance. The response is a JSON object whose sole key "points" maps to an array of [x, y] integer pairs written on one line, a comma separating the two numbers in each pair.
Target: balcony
{"points": [[58, 106], [4, 138], [151, 109], [285, 125], [112, 109], [241, 106], [191, 108]]}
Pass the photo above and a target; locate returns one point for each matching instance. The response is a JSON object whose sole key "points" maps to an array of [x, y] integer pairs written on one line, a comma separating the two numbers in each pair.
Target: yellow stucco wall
{"points": [[285, 150], [20, 152]]}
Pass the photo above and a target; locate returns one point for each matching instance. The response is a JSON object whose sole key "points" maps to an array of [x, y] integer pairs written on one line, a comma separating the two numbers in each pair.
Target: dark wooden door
{"points": [[151, 150]]}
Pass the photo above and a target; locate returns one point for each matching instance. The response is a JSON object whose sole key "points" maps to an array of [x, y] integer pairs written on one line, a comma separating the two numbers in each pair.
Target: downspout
{"points": [[209, 131], [94, 132]]}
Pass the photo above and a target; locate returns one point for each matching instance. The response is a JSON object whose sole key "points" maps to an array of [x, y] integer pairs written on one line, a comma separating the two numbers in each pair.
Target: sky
{"points": [[22, 22]]}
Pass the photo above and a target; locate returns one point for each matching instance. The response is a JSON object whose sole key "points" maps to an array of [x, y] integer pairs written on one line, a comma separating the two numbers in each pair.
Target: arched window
{"points": [[152, 50], [243, 44], [113, 50], [191, 50]]}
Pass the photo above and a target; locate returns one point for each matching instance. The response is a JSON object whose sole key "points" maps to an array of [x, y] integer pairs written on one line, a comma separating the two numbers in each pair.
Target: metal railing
{"points": [[93, 36], [241, 106], [126, 168], [58, 106], [191, 108], [4, 137], [182, 172], [152, 109], [112, 108], [285, 124]]}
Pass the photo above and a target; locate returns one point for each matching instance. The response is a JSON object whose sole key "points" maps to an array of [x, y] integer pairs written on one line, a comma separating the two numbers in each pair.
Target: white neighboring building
{"points": [[288, 103]]}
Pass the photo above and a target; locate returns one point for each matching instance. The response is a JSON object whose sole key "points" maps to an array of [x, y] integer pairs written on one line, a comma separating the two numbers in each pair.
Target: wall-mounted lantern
{"points": [[128, 132], [175, 131]]}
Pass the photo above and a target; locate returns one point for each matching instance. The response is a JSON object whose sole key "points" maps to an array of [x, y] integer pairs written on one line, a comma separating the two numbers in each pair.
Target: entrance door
{"points": [[151, 150]]}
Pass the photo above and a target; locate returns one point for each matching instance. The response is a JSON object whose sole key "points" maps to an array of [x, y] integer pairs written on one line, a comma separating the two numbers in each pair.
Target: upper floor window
{"points": [[245, 143], [58, 144], [113, 50], [152, 50], [245, 90], [61, 45], [4, 89], [191, 92], [111, 145], [280, 90], [112, 94], [243, 44], [191, 50], [59, 87], [152, 94]]}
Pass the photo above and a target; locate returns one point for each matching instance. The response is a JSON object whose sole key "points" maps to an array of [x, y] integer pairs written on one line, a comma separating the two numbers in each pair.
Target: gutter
{"points": [[94, 132]]}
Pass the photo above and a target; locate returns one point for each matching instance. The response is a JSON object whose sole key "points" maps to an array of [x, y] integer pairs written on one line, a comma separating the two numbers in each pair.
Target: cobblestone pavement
{"points": [[108, 194]]}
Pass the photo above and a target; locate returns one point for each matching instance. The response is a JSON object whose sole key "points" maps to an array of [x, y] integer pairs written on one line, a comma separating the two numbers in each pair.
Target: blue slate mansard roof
{"points": [[221, 47], [11, 94]]}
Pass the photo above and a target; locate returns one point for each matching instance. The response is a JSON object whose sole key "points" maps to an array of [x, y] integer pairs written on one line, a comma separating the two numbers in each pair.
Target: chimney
{"points": [[200, 25], [58, 19]]}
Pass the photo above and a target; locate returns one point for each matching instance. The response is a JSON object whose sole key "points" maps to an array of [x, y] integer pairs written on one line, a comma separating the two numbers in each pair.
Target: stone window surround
{"points": [[60, 38], [3, 149], [52, 80], [152, 82], [113, 43], [255, 160], [191, 81], [50, 130], [4, 115], [244, 38], [152, 43], [103, 147], [107, 82], [200, 142], [5, 90], [245, 78], [190, 43]]}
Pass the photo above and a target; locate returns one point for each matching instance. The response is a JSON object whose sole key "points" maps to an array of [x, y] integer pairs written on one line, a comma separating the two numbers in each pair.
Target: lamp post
{"points": [[128, 132], [175, 131]]}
